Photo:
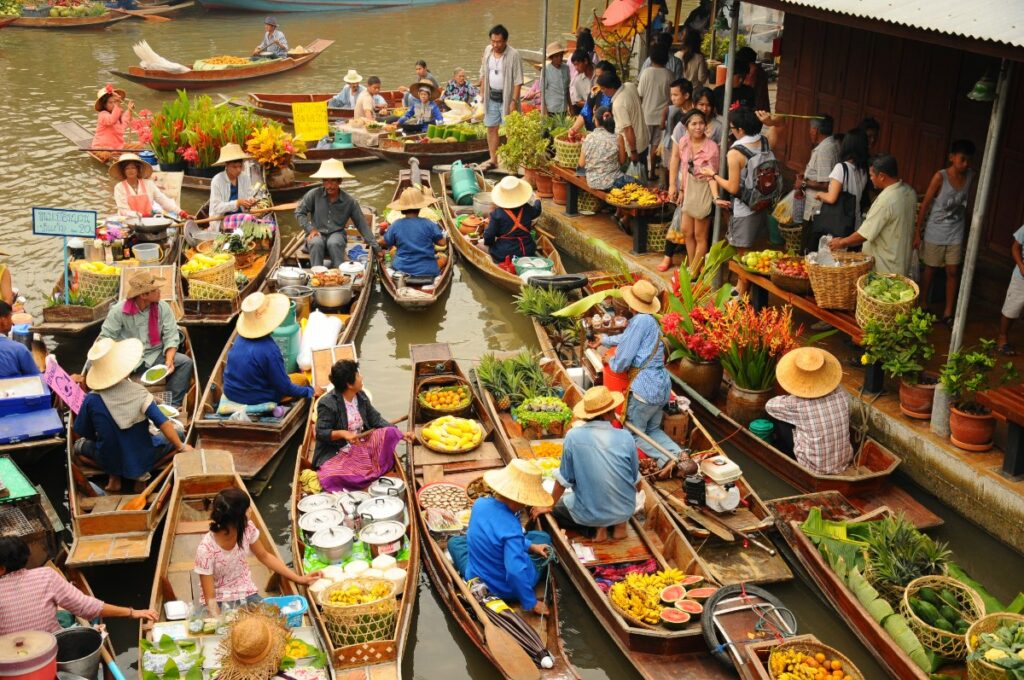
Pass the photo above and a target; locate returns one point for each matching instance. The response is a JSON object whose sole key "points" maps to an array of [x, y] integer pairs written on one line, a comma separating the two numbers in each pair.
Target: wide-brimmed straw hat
{"points": [[425, 83], [261, 314], [142, 282], [520, 481], [511, 192], [112, 361], [597, 400], [553, 49], [254, 645], [641, 297], [332, 168], [232, 152], [809, 372], [352, 76], [104, 91], [117, 169], [412, 198]]}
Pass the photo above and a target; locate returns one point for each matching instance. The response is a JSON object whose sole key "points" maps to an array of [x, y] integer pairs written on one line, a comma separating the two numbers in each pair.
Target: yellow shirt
{"points": [[888, 228]]}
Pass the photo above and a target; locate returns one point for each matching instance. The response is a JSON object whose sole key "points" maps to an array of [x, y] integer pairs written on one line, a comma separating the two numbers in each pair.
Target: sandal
{"points": [[1007, 350], [486, 165], [663, 267], [948, 320]]}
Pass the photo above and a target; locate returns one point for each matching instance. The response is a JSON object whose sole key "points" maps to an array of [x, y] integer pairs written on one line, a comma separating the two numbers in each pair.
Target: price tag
{"points": [[310, 120], [61, 222]]}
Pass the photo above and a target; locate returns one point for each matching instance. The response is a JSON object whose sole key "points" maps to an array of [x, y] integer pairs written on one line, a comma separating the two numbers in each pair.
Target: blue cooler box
{"points": [[35, 425], [24, 395]]}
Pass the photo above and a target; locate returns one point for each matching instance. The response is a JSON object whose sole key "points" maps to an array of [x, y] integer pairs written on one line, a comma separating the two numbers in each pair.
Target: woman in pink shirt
{"points": [[112, 119], [692, 191]]}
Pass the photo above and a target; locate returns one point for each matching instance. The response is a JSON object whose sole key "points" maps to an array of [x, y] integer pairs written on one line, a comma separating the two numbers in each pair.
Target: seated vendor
{"points": [[30, 598], [495, 549], [114, 417], [424, 110], [603, 154], [150, 320], [232, 192], [349, 95], [255, 371], [812, 422], [15, 359], [600, 466], [135, 193], [370, 105], [6, 283], [459, 88], [274, 45], [413, 237], [324, 212], [508, 233]]}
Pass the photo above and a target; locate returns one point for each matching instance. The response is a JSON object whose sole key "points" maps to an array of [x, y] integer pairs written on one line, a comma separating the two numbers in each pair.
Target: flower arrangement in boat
{"points": [[193, 129], [272, 147], [688, 336], [693, 303], [751, 342]]}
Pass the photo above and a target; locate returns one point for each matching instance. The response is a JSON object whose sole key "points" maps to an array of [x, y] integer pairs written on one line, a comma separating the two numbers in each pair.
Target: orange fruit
{"points": [[811, 662], [819, 657], [836, 664]]}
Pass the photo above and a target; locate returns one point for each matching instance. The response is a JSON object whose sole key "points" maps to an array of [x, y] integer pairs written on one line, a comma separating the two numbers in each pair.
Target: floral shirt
{"points": [[464, 93], [601, 151], [232, 577], [355, 419]]}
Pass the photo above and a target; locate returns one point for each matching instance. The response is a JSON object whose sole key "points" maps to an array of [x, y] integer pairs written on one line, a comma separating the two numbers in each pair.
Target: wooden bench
{"points": [[638, 216], [1008, 403]]}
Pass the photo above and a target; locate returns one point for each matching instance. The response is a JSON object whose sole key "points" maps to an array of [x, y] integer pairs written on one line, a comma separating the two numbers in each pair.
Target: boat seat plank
{"points": [[424, 456], [895, 497], [185, 546], [199, 526], [432, 473], [613, 551], [107, 549], [181, 584], [100, 504], [732, 563]]}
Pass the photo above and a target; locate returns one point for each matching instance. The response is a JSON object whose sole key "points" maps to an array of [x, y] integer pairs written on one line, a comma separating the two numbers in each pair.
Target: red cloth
{"points": [[617, 382], [154, 319]]}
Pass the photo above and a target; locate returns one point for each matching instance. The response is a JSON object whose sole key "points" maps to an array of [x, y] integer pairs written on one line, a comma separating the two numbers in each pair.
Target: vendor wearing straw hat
{"points": [[413, 237], [135, 193], [114, 417], [515, 208], [255, 372], [424, 110], [495, 548], [233, 191], [274, 45], [640, 349], [254, 646], [812, 422], [349, 95], [324, 212], [113, 114], [150, 320], [600, 466]]}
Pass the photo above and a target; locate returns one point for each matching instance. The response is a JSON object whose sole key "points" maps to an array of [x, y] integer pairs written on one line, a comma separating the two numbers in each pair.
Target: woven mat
{"points": [[485, 451]]}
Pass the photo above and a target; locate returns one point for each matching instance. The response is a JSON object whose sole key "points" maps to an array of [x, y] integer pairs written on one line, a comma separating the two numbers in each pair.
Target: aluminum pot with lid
{"points": [[317, 501], [313, 522], [383, 538], [291, 276], [382, 509], [333, 544], [387, 486]]}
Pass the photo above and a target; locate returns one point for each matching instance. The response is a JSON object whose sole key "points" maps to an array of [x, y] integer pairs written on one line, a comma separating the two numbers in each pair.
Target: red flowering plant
{"points": [[166, 128], [750, 342], [694, 302]]}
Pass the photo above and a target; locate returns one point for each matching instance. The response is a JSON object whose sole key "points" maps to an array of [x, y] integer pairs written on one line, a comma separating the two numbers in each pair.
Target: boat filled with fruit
{"points": [[440, 144], [61, 14]]}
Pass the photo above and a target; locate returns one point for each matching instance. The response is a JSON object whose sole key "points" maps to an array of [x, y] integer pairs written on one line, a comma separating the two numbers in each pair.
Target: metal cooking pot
{"points": [[382, 509], [333, 296], [333, 544], [387, 486], [317, 501], [301, 296], [152, 225], [313, 522], [383, 538], [291, 276]]}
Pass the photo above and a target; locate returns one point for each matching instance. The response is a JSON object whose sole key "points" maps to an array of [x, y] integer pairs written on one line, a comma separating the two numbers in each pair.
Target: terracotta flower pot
{"points": [[971, 431], [745, 406], [530, 175], [543, 185], [703, 376], [916, 398], [559, 190]]}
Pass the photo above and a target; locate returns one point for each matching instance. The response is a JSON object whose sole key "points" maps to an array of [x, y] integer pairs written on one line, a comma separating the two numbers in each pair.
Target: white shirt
{"points": [[823, 158], [495, 76], [856, 180]]}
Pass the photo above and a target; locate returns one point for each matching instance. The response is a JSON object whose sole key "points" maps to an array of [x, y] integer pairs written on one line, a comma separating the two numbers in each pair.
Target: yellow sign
{"points": [[310, 120]]}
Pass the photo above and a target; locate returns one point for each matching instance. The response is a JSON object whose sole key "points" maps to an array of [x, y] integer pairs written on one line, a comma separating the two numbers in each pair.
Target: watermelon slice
{"points": [[672, 594], [700, 593], [692, 580], [690, 606], [674, 619]]}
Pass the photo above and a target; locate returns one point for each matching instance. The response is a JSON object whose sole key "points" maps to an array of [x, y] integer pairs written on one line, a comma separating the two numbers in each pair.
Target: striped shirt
{"points": [[821, 429], [29, 599], [643, 334]]}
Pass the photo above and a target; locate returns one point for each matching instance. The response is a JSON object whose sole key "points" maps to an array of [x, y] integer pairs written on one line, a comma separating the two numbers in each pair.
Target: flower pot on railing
{"points": [[543, 185], [559, 191], [971, 429], [177, 166], [530, 175], [916, 398], [703, 377], [279, 177], [745, 406]]}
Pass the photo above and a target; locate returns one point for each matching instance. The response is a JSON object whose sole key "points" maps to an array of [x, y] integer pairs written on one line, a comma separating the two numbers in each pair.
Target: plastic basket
{"points": [[567, 154], [222, 275], [98, 286], [793, 235], [812, 648], [202, 290], [869, 309], [979, 669], [294, 619], [836, 287], [360, 623], [790, 283], [656, 237], [587, 202], [942, 642]]}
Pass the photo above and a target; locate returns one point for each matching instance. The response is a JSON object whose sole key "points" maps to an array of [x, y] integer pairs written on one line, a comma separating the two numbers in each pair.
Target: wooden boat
{"points": [[31, 451], [416, 298], [428, 467], [308, 5], [161, 9], [66, 23], [292, 191], [428, 152], [6, 21], [756, 656], [474, 254], [201, 80], [279, 105], [314, 157], [105, 532]]}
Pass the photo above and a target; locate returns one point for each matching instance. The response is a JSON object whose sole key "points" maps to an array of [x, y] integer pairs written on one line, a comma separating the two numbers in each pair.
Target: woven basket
{"points": [[793, 235], [836, 287], [567, 154], [201, 290], [979, 669], [359, 623], [943, 643], [790, 283], [889, 592], [587, 202], [869, 309], [812, 648], [98, 286], [656, 237], [222, 275], [444, 381]]}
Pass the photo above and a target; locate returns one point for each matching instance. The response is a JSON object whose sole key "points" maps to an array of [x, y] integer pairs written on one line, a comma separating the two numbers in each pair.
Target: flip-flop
{"points": [[486, 165], [663, 267], [1007, 350]]}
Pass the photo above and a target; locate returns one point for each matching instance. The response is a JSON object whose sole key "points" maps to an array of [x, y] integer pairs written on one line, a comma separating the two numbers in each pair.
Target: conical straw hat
{"points": [[595, 401], [117, 169], [112, 361], [412, 198], [232, 152], [261, 314], [332, 168], [520, 481], [642, 297], [809, 372]]}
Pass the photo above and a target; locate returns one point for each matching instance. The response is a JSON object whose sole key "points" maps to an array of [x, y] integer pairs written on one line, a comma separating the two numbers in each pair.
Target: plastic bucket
{"points": [[78, 651], [147, 253], [763, 429], [536, 263], [464, 185], [148, 157]]}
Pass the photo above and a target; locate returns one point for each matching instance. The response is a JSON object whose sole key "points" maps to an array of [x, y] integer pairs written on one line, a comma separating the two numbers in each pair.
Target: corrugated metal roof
{"points": [[1000, 21]]}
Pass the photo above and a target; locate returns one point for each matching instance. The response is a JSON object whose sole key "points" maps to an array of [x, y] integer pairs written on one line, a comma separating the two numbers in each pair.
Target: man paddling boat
{"points": [[324, 212], [274, 45]]}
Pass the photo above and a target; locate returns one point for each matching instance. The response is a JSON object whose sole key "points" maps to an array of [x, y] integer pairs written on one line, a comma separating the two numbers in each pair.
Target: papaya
{"points": [[949, 613], [943, 624], [949, 598]]}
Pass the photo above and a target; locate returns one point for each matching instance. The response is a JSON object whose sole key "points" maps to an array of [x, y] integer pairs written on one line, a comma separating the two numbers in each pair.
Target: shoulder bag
{"points": [[839, 218]]}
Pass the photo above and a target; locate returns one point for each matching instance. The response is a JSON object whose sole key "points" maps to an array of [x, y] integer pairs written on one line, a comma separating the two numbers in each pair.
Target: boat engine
{"points": [[720, 476]]}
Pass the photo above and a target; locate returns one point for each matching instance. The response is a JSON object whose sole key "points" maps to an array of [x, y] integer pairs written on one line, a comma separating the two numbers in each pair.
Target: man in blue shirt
{"points": [[349, 95], [273, 42], [600, 465], [596, 100], [15, 359], [413, 237]]}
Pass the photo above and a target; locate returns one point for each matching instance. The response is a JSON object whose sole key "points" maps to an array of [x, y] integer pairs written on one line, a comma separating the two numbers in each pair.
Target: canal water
{"points": [[52, 76]]}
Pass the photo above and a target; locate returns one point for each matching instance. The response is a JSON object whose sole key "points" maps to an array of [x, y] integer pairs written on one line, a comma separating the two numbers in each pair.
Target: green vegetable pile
{"points": [[543, 411], [1003, 648], [940, 609], [888, 289]]}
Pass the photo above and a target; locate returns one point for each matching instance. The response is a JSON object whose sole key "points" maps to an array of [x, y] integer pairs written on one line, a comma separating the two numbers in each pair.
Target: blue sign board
{"points": [[61, 222]]}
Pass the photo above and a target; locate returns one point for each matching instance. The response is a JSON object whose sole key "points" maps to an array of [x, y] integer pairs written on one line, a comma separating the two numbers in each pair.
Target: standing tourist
{"points": [[695, 66], [556, 80], [680, 101], [756, 78], [850, 175], [135, 193], [824, 157], [113, 114], [581, 83], [597, 98], [691, 189], [653, 88], [1013, 305], [501, 84], [324, 212], [629, 116], [744, 94], [672, 62], [349, 95], [459, 88], [274, 45], [704, 101]]}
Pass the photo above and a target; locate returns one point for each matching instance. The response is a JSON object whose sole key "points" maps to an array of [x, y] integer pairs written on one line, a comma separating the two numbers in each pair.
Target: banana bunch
{"points": [[639, 595], [633, 194], [201, 262], [99, 268], [309, 482]]}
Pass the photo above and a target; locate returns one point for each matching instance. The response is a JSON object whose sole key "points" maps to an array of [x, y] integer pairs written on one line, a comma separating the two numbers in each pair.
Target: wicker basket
{"points": [[656, 237], [943, 643], [444, 381], [588, 202], [790, 283], [567, 154], [979, 669], [793, 235], [222, 275], [812, 648], [836, 287], [98, 286], [201, 290], [869, 309], [360, 623]]}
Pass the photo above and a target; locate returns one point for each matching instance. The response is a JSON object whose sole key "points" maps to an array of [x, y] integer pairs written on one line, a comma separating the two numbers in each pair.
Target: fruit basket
{"points": [[978, 667], [359, 610], [568, 148], [98, 280], [442, 496], [793, 654], [759, 261], [449, 434], [927, 604], [786, 274], [881, 297], [445, 396], [835, 287]]}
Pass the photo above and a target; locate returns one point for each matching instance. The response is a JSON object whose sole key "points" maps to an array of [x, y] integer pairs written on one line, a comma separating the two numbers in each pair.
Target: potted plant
{"points": [[165, 130], [964, 374], [525, 145], [903, 347]]}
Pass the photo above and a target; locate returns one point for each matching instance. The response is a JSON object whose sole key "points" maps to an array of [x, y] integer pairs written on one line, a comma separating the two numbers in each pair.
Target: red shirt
{"points": [[29, 599]]}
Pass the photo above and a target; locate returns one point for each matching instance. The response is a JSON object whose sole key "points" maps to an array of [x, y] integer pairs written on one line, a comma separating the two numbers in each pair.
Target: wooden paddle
{"points": [[695, 516], [140, 15], [262, 211], [139, 502]]}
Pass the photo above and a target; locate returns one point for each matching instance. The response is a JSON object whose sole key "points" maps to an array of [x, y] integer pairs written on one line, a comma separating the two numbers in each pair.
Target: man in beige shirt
{"points": [[888, 229], [629, 115]]}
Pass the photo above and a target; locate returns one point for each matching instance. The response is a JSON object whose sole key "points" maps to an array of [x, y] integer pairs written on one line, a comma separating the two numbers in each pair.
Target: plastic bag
{"points": [[914, 271], [637, 171], [823, 255], [783, 212]]}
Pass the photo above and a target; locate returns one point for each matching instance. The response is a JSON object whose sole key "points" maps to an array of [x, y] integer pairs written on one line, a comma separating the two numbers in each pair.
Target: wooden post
{"points": [[675, 21], [576, 18]]}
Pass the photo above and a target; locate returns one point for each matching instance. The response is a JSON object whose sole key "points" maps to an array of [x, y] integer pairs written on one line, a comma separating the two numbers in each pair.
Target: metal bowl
{"points": [[291, 276], [333, 296], [152, 225]]}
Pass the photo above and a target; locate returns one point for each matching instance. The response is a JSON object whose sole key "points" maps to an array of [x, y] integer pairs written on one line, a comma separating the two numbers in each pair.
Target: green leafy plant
{"points": [[968, 372], [721, 45], [74, 298], [525, 145], [515, 379], [182, 660], [693, 299], [903, 346], [898, 553]]}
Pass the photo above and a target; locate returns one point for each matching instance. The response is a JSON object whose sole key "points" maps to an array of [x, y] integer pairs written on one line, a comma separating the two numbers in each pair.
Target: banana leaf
{"points": [[581, 307], [879, 609], [897, 628], [833, 539], [992, 604]]}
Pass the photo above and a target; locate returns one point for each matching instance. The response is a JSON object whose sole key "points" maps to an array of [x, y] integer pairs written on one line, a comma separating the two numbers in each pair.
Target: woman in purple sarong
{"points": [[355, 444]]}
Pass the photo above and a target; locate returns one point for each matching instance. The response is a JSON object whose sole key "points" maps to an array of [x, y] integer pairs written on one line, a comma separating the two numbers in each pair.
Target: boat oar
{"points": [[749, 538], [139, 502], [692, 514], [111, 664], [261, 211], [673, 458], [140, 15]]}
